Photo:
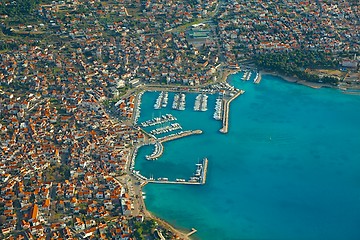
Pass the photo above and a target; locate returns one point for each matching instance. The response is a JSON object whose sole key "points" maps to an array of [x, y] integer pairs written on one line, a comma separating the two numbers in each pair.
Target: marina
{"points": [[224, 157]]}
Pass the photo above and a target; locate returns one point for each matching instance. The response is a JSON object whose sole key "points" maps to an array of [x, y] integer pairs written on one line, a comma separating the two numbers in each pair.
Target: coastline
{"points": [[225, 73], [138, 185], [178, 234], [297, 80]]}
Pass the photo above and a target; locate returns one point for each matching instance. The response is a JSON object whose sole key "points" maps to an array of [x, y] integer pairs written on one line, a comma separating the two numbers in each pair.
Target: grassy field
{"points": [[327, 72]]}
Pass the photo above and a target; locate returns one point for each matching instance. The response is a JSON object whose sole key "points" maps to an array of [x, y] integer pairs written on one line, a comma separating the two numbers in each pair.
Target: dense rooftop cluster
{"points": [[170, 14], [252, 27], [57, 166]]}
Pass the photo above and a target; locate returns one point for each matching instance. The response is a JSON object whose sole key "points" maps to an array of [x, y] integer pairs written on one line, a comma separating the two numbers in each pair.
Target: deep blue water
{"points": [[289, 168]]}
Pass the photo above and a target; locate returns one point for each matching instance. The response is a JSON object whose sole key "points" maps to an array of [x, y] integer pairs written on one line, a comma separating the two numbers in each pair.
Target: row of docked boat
{"points": [[246, 76], [163, 179], [159, 120], [199, 173], [180, 180], [156, 153], [257, 78], [201, 102], [179, 102], [138, 108], [170, 128], [218, 109], [162, 100]]}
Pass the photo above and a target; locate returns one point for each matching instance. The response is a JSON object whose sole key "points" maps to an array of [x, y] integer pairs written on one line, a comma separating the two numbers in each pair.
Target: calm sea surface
{"points": [[289, 168]]}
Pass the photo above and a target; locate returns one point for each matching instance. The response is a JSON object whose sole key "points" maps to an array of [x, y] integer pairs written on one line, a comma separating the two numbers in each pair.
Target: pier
{"points": [[170, 128], [226, 105], [179, 135], [159, 148], [204, 171], [173, 182], [193, 230], [199, 179], [257, 78], [158, 120]]}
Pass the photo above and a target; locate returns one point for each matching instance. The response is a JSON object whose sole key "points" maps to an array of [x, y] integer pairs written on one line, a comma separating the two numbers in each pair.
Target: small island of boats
{"points": [[179, 102], [201, 102], [162, 100]]}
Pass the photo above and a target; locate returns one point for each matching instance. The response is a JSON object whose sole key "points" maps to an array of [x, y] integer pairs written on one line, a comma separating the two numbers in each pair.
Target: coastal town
{"points": [[71, 78]]}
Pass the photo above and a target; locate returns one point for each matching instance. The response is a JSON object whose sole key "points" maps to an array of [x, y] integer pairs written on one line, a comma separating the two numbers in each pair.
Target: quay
{"points": [[226, 105]]}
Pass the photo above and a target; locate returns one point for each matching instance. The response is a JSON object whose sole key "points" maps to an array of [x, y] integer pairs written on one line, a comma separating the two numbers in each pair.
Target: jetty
{"points": [[158, 120], [159, 148], [226, 104], [173, 182], [193, 230], [179, 135], [257, 78], [246, 76], [204, 171], [170, 128], [158, 151]]}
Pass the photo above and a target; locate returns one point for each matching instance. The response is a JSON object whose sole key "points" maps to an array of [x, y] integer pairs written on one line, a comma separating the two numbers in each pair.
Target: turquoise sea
{"points": [[289, 168]]}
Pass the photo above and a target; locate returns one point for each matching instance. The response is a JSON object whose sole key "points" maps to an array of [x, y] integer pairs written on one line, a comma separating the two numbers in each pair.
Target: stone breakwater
{"points": [[226, 109], [159, 148]]}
